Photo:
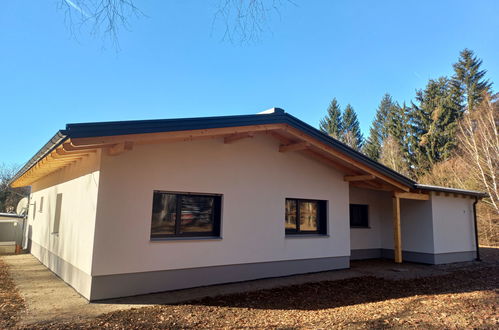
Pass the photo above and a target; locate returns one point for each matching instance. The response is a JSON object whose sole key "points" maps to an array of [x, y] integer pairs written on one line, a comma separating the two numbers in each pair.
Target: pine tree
{"points": [[378, 131], [433, 124], [332, 123], [468, 80], [352, 135], [372, 146], [395, 148]]}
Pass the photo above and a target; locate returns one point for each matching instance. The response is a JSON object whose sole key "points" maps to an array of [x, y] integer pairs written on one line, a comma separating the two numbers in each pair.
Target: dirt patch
{"points": [[11, 303], [46, 296], [373, 294], [466, 298]]}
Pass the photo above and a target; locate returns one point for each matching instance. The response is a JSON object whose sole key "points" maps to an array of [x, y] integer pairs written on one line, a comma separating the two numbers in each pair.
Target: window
{"points": [[41, 205], [359, 216], [304, 216], [57, 214], [185, 215]]}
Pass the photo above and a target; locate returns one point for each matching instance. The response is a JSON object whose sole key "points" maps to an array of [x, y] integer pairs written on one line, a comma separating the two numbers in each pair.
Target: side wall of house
{"points": [[254, 178], [69, 202], [436, 231], [453, 227], [366, 242], [377, 240]]}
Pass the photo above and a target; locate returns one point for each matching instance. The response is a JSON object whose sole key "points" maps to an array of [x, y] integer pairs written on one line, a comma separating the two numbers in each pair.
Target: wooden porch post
{"points": [[397, 237]]}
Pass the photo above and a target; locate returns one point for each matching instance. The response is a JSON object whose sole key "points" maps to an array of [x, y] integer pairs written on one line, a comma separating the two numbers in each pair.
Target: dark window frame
{"points": [[322, 215], [216, 216], [367, 225]]}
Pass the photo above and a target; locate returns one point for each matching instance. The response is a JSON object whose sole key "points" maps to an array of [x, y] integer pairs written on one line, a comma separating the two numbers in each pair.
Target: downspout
{"points": [[476, 230]]}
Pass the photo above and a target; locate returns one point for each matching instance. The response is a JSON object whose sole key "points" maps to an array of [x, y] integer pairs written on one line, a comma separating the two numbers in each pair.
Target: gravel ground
{"points": [[467, 296]]}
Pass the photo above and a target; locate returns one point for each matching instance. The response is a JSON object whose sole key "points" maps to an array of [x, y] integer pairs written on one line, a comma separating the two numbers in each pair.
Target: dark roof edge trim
{"points": [[11, 215], [450, 190], [53, 143]]}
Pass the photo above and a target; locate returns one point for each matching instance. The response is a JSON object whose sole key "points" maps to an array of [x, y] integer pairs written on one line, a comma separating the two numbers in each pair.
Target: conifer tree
{"points": [[372, 146], [395, 148], [468, 80], [332, 123], [433, 124], [352, 136], [379, 130]]}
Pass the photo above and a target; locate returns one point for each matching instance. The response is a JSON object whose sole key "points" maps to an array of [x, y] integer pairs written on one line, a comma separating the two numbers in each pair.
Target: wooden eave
{"points": [[73, 150]]}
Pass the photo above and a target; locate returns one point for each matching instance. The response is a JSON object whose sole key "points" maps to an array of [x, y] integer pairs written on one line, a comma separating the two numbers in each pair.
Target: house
{"points": [[132, 207]]}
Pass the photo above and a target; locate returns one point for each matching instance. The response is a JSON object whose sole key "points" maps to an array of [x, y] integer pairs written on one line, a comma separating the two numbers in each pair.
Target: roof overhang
{"points": [[78, 141]]}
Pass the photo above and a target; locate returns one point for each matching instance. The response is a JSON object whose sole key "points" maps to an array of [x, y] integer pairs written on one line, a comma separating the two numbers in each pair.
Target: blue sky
{"points": [[172, 63]]}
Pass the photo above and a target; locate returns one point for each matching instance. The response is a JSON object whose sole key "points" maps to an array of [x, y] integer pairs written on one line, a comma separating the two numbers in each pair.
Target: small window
{"points": [[304, 216], [185, 215], [41, 205], [359, 216], [57, 214]]}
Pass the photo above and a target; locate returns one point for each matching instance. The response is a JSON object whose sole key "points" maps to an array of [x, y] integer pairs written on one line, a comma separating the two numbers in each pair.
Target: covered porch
{"points": [[425, 227]]}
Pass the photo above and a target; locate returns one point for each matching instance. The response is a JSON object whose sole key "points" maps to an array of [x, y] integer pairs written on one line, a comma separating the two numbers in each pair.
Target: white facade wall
{"points": [[380, 218], [67, 253], [453, 225], [254, 178], [416, 225]]}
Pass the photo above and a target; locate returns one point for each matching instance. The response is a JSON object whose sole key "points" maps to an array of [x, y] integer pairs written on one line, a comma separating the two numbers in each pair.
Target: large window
{"points": [[185, 215], [359, 216], [305, 216]]}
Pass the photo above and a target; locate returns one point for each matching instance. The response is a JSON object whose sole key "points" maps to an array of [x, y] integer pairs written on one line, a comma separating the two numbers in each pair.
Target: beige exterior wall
{"points": [[69, 252], [254, 179], [416, 222], [443, 224], [453, 224], [380, 218]]}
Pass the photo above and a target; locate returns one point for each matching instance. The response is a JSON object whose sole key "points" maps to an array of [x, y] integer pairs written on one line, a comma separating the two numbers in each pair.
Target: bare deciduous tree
{"points": [[9, 197], [475, 165], [246, 20], [243, 20], [100, 16], [393, 156], [479, 147]]}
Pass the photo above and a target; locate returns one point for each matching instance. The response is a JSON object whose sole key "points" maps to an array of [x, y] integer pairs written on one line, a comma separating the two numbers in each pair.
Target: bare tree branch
{"points": [[246, 20], [100, 16]]}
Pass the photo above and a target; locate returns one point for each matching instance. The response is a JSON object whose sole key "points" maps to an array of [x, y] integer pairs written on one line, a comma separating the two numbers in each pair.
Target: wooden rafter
{"points": [[120, 148], [294, 147], [352, 178], [237, 137], [344, 157], [408, 195], [328, 161]]}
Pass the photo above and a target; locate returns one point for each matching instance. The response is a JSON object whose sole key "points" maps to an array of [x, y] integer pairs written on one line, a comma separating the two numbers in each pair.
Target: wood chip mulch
{"points": [[468, 297], [11, 303]]}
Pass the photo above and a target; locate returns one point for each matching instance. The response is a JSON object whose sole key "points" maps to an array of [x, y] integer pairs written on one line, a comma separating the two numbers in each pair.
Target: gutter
{"points": [[53, 143], [476, 229]]}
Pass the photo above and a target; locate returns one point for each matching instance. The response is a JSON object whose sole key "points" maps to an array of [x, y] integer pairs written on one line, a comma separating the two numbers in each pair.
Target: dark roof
{"points": [[275, 116], [450, 190], [11, 215]]}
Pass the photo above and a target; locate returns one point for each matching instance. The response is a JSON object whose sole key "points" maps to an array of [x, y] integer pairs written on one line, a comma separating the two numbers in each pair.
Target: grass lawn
{"points": [[467, 297]]}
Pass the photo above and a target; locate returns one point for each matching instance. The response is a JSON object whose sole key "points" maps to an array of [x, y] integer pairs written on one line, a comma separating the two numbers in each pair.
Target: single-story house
{"points": [[133, 207]]}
